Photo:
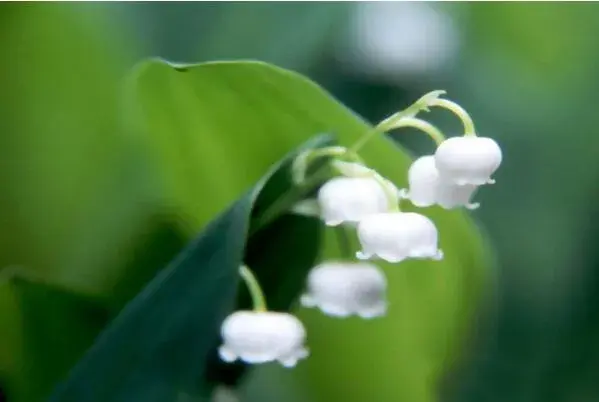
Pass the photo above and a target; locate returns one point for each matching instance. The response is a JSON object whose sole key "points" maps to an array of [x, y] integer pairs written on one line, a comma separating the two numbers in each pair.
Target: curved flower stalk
{"points": [[468, 159]]}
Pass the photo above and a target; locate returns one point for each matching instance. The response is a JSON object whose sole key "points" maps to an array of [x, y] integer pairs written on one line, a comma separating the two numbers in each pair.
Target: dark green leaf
{"points": [[158, 347], [39, 318]]}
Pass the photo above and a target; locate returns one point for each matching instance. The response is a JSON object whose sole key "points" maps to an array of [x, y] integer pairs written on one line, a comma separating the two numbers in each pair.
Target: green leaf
{"points": [[75, 196], [39, 318], [157, 349], [69, 174], [215, 127]]}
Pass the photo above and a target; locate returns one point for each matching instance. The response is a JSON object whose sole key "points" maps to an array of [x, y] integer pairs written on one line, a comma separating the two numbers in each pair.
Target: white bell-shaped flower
{"points": [[263, 336], [422, 179], [451, 195], [341, 289], [349, 199], [427, 188], [468, 160], [396, 236]]}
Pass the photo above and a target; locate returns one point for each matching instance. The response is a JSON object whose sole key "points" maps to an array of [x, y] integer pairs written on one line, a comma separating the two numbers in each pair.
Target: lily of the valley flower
{"points": [[396, 236], [468, 160], [349, 199], [263, 336], [450, 195], [422, 178], [427, 187], [342, 289]]}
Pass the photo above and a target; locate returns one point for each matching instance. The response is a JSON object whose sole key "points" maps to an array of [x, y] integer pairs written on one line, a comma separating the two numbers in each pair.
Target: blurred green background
{"points": [[525, 71]]}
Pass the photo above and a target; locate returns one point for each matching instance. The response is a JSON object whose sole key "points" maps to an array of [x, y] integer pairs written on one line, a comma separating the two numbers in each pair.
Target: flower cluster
{"points": [[359, 198]]}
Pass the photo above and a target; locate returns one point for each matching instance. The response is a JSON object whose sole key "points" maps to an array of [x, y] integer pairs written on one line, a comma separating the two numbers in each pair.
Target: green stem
{"points": [[411, 111], [333, 151], [364, 139], [404, 118], [398, 119], [300, 190], [392, 198], [458, 111], [407, 121], [302, 162], [422, 125], [254, 288], [287, 200]]}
